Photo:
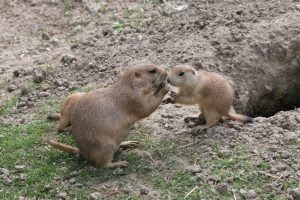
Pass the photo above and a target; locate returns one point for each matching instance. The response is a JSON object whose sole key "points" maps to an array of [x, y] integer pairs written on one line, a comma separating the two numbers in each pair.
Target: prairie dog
{"points": [[102, 119], [211, 91], [67, 108]]}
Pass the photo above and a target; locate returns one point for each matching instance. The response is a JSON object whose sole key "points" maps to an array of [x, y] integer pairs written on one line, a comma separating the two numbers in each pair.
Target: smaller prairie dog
{"points": [[211, 91], [67, 108]]}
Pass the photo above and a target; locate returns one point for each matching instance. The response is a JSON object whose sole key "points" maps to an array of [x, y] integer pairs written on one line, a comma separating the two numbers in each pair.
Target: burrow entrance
{"points": [[283, 96]]}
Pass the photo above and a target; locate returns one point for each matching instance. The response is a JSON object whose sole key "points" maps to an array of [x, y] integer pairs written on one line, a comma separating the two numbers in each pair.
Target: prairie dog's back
{"points": [[215, 91]]}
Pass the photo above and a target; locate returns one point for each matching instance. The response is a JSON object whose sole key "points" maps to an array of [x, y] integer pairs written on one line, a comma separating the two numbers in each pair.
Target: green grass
{"points": [[157, 164], [9, 105]]}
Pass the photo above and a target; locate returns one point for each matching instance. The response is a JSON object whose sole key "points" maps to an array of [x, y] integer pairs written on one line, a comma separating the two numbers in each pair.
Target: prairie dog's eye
{"points": [[181, 74], [152, 71], [193, 72]]}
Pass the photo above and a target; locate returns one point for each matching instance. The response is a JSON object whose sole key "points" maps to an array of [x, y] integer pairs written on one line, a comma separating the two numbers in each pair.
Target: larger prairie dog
{"points": [[102, 119], [66, 112], [211, 91]]}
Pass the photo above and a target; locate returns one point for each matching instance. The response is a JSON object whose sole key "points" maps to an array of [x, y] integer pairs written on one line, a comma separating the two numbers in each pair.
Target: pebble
{"points": [[144, 191], [20, 167], [19, 72], [45, 94], [268, 188], [224, 152], [107, 31], [72, 180], [94, 7], [24, 91], [193, 169], [222, 188], [45, 87], [38, 76], [95, 195], [248, 194], [295, 193], [74, 173], [12, 88], [54, 41], [62, 195], [21, 104], [286, 155], [21, 177], [68, 58], [6, 180], [4, 171]]}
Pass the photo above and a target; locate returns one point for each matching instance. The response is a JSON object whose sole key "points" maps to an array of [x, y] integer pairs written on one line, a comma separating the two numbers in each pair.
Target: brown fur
{"points": [[211, 91], [102, 119], [67, 108]]}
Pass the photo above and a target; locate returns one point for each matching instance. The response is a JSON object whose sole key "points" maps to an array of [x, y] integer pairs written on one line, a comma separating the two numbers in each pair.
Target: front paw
{"points": [[173, 95]]}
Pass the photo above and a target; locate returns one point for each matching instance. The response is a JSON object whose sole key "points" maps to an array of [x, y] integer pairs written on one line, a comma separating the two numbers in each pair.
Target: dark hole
{"points": [[285, 95]]}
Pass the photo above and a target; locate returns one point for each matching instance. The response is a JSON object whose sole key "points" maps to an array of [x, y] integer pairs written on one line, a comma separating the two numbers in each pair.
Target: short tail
{"points": [[240, 118], [62, 147], [55, 116]]}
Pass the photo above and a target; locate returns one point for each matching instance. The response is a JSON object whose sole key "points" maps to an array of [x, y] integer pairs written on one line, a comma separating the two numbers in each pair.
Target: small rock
{"points": [[19, 72], [295, 193], [24, 91], [77, 29], [22, 120], [61, 88], [6, 180], [62, 195], [268, 188], [22, 177], [224, 152], [285, 174], [68, 58], [4, 171], [45, 87], [193, 169], [107, 31], [72, 180], [45, 94], [93, 7], [54, 41], [11, 88], [20, 167], [222, 188], [286, 155], [95, 195], [62, 82], [248, 194], [144, 191], [166, 116], [74, 173], [22, 198], [38, 76], [21, 104]]}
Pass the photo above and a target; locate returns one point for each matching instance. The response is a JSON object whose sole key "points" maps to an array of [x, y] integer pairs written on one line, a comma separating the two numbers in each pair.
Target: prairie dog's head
{"points": [[148, 76], [182, 75]]}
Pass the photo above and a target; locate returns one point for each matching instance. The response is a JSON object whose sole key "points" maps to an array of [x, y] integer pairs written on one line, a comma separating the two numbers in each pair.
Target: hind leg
{"points": [[63, 123], [211, 117], [103, 158]]}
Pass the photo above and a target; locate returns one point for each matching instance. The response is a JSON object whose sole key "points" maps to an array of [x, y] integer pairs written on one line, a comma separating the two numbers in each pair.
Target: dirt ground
{"points": [[49, 48]]}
